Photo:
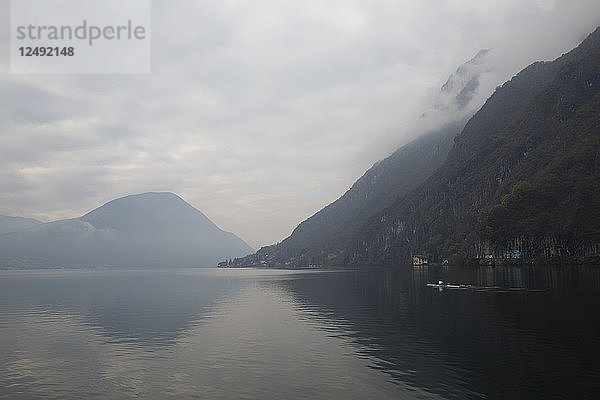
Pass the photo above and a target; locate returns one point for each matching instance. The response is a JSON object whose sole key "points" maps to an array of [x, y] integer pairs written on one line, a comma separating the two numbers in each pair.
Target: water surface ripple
{"points": [[531, 332]]}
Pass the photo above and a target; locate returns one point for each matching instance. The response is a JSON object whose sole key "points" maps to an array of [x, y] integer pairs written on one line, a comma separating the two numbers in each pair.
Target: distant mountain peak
{"points": [[463, 83], [154, 229], [463, 93], [16, 224], [145, 197], [147, 211]]}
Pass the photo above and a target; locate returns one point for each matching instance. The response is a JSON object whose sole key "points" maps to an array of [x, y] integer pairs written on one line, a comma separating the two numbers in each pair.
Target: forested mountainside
{"points": [[326, 236], [330, 231], [522, 179]]}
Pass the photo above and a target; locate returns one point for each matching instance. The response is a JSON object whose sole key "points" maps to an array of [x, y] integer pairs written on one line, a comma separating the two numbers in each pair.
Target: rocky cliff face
{"points": [[541, 127], [325, 237], [522, 179]]}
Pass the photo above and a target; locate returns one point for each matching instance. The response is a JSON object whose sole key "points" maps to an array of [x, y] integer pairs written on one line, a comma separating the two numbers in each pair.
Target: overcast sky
{"points": [[258, 112]]}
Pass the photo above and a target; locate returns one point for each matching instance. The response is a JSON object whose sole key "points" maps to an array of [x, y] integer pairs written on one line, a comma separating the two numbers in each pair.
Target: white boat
{"points": [[442, 285]]}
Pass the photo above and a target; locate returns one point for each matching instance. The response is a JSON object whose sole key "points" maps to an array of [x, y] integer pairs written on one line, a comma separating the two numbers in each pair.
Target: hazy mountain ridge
{"points": [[326, 236], [146, 230], [536, 138], [138, 214], [16, 224], [464, 82], [547, 115], [329, 231]]}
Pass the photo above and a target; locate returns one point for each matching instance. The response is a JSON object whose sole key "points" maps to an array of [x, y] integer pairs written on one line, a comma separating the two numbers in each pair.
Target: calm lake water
{"points": [[258, 334]]}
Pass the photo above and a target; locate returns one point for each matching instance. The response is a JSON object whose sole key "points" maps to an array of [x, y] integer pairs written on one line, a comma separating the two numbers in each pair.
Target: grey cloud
{"points": [[27, 104]]}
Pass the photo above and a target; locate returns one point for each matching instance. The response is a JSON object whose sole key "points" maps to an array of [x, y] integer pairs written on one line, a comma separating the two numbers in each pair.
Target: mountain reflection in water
{"points": [[540, 341], [380, 333]]}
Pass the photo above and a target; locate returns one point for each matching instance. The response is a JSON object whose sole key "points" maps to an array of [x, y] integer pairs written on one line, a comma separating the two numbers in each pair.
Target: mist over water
{"points": [[520, 332]]}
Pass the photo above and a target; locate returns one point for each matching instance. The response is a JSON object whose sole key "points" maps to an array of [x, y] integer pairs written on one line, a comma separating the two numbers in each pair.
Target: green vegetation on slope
{"points": [[542, 129], [522, 179]]}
